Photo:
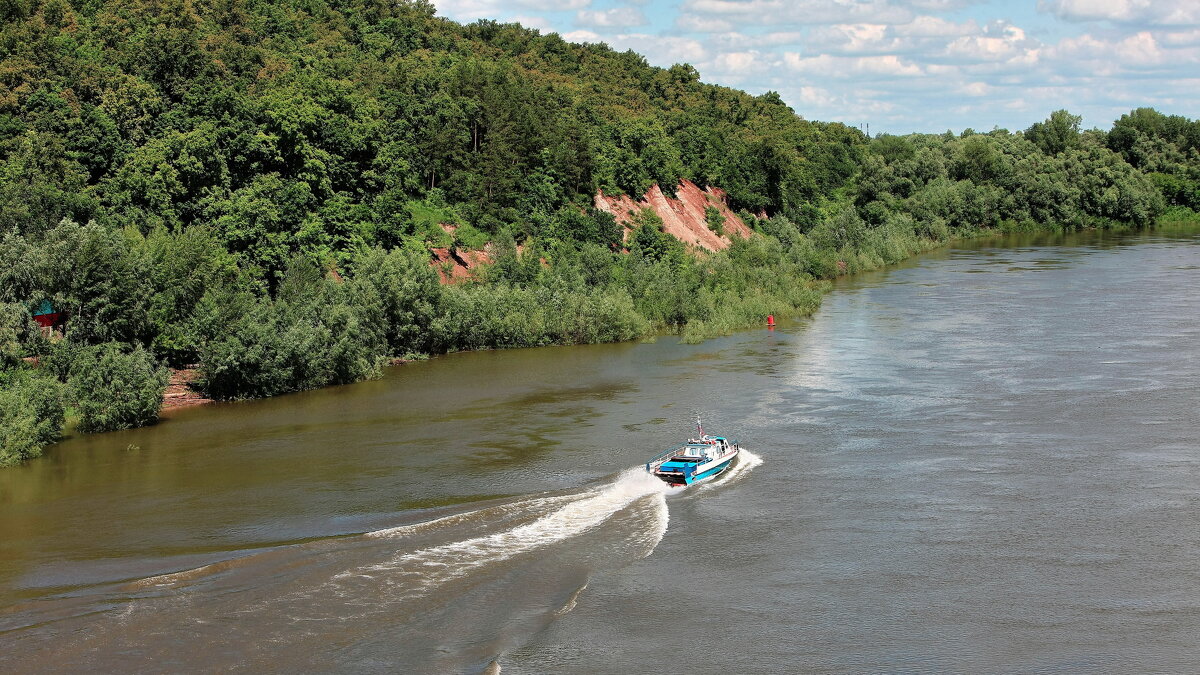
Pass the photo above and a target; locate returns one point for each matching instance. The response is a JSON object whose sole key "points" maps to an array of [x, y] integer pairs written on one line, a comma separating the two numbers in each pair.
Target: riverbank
{"points": [[182, 391]]}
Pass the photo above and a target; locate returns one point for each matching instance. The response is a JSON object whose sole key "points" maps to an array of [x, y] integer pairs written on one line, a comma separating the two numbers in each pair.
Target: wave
{"points": [[435, 565]]}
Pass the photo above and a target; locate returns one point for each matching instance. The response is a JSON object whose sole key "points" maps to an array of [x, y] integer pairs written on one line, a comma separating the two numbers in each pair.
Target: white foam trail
{"points": [[434, 566], [449, 521], [745, 463]]}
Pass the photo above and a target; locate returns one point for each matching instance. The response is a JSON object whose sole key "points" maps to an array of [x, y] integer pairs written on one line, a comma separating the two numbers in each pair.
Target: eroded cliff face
{"points": [[456, 265], [682, 215]]}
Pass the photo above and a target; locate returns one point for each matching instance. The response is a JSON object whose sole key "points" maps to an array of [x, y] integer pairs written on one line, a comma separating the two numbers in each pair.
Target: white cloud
{"points": [[1140, 12], [856, 38], [1180, 38], [582, 36], [845, 67], [470, 10], [552, 5], [976, 89], [739, 65], [924, 35], [533, 21], [662, 50], [617, 17], [778, 39], [800, 12], [694, 23], [932, 26], [817, 96], [1000, 41], [942, 5]]}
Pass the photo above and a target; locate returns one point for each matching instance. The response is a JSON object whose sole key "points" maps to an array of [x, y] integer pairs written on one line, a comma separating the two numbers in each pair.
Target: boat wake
{"points": [[746, 462], [467, 584], [426, 568]]}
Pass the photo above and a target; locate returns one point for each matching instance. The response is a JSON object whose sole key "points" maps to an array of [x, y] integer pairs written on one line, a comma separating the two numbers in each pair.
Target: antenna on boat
{"points": [[700, 427]]}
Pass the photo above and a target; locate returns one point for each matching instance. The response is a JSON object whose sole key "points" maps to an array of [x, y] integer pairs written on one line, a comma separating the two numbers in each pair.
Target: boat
{"points": [[699, 459]]}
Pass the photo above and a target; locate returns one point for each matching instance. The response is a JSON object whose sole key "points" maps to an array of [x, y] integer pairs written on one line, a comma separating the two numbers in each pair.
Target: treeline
{"points": [[1050, 176], [255, 186], [139, 303]]}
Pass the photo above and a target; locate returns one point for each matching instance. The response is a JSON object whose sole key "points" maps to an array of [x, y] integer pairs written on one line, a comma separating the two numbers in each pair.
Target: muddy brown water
{"points": [[985, 460]]}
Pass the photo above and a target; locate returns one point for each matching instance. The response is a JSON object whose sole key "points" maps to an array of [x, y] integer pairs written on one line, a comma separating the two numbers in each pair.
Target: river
{"points": [[985, 460]]}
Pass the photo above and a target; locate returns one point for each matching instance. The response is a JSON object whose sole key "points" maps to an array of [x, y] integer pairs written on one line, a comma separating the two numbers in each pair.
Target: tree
{"points": [[115, 388], [407, 288], [92, 273], [1057, 134], [714, 219], [648, 237], [31, 416]]}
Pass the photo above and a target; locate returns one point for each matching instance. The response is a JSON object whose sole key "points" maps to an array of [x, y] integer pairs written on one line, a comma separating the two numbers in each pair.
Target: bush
{"points": [[31, 416], [17, 329], [322, 335], [114, 388], [409, 293], [714, 220]]}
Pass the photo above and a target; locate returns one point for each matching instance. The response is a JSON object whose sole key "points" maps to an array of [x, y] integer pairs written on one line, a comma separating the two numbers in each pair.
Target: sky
{"points": [[904, 65]]}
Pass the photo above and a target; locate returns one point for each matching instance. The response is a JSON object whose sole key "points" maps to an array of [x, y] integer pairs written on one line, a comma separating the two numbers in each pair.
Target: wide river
{"points": [[984, 460]]}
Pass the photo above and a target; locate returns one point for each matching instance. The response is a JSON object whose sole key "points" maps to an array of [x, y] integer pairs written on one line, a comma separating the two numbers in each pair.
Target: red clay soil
{"points": [[682, 215], [456, 265], [462, 264], [179, 391]]}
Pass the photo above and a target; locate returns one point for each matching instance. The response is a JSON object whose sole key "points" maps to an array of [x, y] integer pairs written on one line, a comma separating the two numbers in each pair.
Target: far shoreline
{"points": [[181, 392]]}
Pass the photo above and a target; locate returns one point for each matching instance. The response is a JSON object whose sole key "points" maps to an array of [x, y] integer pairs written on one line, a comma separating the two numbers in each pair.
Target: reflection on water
{"points": [[984, 459]]}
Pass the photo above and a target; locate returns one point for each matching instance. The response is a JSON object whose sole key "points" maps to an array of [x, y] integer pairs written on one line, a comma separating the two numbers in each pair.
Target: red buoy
{"points": [[771, 320]]}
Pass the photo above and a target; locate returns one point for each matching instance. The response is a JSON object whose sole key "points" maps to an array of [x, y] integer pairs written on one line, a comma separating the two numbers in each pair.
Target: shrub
{"points": [[114, 388], [327, 334], [714, 220], [31, 416], [409, 293]]}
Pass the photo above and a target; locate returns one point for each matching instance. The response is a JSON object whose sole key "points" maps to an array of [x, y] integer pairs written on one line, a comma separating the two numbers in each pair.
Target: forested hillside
{"points": [[255, 187]]}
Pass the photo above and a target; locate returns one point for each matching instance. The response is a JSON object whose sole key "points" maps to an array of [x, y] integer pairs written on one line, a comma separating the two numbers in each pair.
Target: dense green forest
{"points": [[255, 187]]}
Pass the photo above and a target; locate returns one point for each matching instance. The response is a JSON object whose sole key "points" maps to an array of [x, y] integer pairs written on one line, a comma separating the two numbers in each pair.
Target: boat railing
{"points": [[730, 444], [662, 457]]}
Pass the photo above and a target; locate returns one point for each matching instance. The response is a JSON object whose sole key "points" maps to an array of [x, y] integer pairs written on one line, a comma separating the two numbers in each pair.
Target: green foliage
{"points": [[714, 219], [98, 277], [470, 238], [115, 388], [432, 212], [503, 315], [182, 267], [1057, 134], [317, 332], [1051, 175], [408, 293], [31, 416], [260, 183], [648, 238], [17, 331], [632, 155]]}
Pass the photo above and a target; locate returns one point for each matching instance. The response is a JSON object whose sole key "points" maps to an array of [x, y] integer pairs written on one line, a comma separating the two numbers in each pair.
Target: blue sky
{"points": [[904, 65]]}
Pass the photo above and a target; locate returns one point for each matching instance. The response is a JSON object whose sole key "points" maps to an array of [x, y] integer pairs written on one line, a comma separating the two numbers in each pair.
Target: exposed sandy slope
{"points": [[461, 264], [179, 391], [682, 215]]}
